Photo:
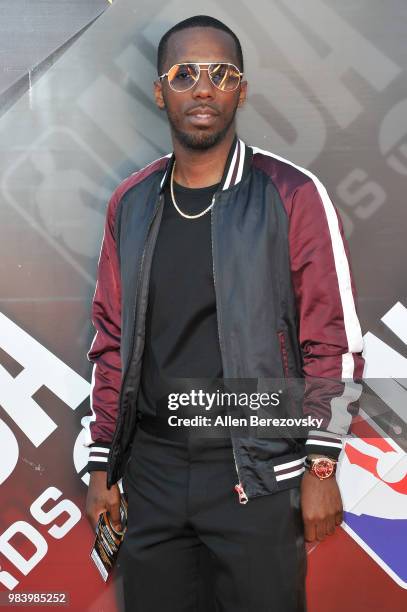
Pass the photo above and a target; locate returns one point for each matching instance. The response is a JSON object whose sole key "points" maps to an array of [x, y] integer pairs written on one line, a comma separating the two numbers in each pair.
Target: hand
{"points": [[99, 498], [321, 506]]}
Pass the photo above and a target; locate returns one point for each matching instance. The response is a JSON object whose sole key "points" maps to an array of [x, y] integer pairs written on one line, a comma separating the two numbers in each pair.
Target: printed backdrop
{"points": [[327, 91]]}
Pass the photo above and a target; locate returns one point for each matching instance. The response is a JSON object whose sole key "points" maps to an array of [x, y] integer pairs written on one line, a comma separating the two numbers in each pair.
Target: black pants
{"points": [[181, 498]]}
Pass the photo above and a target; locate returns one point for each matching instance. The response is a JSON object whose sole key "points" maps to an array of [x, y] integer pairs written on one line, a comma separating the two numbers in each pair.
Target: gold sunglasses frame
{"points": [[199, 64]]}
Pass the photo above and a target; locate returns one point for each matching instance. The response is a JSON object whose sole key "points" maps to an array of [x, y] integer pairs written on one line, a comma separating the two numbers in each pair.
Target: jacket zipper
{"points": [[135, 318], [283, 352], [243, 499]]}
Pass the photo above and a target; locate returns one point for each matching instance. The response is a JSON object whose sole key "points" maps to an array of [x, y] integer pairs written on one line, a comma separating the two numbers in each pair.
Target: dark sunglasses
{"points": [[222, 75]]}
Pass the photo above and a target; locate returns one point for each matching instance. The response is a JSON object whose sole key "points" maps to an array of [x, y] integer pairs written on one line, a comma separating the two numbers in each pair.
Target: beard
{"points": [[200, 140]]}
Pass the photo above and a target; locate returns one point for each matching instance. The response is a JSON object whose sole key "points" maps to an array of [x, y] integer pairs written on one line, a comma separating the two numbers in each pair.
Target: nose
{"points": [[203, 88]]}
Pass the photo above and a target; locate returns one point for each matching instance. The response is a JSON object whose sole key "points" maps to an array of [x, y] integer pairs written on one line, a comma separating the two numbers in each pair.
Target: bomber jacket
{"points": [[285, 301]]}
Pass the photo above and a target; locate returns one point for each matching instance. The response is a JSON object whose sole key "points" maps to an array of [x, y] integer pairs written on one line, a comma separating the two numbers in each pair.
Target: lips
{"points": [[202, 116], [202, 111]]}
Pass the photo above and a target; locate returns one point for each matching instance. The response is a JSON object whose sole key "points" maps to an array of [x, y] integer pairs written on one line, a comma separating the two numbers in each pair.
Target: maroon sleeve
{"points": [[104, 352], [329, 330]]}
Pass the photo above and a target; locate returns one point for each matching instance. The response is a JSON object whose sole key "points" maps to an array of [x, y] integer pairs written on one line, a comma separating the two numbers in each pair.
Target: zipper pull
{"points": [[243, 499]]}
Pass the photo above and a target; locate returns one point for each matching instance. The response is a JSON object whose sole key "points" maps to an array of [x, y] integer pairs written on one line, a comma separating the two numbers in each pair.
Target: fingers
{"points": [[309, 531], [320, 529], [326, 526], [114, 515], [330, 525], [93, 518]]}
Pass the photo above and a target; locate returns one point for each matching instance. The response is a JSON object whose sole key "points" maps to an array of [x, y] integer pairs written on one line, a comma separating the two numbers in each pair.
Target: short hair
{"points": [[198, 21]]}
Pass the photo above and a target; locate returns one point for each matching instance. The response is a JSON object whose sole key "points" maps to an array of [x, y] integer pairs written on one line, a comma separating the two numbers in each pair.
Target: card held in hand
{"points": [[108, 540]]}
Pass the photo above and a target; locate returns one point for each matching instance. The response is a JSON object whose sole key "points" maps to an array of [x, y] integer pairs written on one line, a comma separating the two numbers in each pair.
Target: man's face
{"points": [[201, 116]]}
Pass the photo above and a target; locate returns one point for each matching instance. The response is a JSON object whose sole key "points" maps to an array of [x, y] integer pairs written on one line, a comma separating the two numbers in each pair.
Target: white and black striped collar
{"points": [[235, 166]]}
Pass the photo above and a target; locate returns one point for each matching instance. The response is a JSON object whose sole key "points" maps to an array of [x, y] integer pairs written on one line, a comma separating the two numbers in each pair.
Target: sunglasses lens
{"points": [[183, 77], [225, 76]]}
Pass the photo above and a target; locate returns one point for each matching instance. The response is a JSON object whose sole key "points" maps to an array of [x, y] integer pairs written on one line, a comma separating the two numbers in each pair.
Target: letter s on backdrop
{"points": [[45, 518]]}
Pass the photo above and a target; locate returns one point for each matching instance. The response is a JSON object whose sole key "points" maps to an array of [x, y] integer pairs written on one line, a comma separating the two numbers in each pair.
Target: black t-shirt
{"points": [[181, 326]]}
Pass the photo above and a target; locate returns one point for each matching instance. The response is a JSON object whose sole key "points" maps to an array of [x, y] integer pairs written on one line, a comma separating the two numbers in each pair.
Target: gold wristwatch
{"points": [[321, 467]]}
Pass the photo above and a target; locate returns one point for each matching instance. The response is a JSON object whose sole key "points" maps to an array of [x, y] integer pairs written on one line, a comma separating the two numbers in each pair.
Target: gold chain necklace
{"points": [[177, 207]]}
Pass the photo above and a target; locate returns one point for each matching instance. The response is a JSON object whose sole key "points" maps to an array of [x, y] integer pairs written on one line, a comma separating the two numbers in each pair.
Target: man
{"points": [[219, 260]]}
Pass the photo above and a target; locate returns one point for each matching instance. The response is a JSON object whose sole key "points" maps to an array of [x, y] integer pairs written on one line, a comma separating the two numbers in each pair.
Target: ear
{"points": [[242, 94], [158, 94]]}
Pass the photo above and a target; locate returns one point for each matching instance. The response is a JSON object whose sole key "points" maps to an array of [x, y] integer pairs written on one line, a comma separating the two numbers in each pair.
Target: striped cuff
{"points": [[98, 454], [288, 468], [323, 443]]}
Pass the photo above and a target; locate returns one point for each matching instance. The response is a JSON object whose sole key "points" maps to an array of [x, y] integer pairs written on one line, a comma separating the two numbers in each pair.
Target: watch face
{"points": [[323, 468]]}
